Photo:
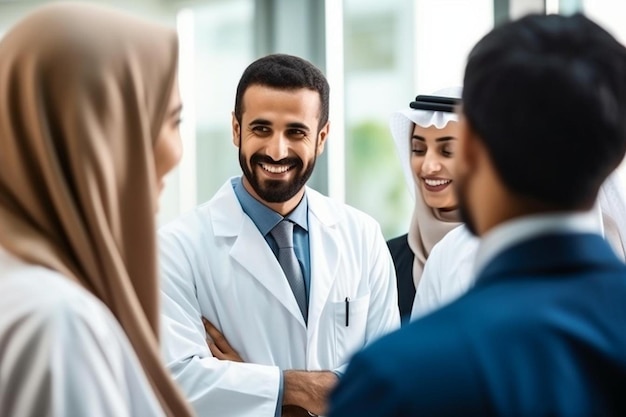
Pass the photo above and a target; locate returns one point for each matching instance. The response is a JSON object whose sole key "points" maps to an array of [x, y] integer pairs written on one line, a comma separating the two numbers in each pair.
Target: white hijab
{"points": [[428, 225]]}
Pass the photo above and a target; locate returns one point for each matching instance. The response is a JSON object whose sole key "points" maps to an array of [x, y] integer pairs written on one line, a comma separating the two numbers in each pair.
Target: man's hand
{"points": [[309, 389], [218, 345]]}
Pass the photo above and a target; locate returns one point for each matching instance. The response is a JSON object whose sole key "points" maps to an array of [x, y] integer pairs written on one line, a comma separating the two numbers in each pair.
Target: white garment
{"points": [[62, 353], [453, 264], [448, 272], [215, 263], [612, 201]]}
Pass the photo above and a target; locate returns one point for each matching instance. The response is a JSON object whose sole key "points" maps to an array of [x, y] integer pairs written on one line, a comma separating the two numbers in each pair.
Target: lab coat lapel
{"points": [[253, 253], [250, 249], [325, 253]]}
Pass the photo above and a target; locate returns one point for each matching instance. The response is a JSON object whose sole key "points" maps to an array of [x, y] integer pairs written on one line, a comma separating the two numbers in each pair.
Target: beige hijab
{"points": [[428, 225], [83, 95]]}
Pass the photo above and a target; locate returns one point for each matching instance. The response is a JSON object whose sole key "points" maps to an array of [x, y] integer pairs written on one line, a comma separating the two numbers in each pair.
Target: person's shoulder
{"points": [[223, 204], [432, 342], [329, 209], [193, 221], [399, 242], [186, 222], [429, 355], [457, 239], [400, 249], [461, 235], [51, 289], [47, 300]]}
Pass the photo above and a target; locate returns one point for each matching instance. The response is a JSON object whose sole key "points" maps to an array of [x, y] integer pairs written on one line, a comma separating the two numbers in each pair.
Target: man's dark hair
{"points": [[547, 96], [284, 72]]}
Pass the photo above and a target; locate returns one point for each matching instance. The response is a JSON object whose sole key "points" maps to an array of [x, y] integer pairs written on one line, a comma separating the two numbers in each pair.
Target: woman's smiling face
{"points": [[432, 163]]}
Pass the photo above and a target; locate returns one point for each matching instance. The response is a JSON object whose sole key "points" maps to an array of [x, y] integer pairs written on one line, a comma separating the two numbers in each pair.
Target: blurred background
{"points": [[377, 55]]}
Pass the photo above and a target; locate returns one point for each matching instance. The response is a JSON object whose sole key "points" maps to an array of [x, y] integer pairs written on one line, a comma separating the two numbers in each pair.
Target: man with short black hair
{"points": [[543, 331], [295, 281]]}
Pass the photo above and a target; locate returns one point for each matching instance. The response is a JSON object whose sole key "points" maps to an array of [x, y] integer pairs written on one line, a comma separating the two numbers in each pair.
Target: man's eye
{"points": [[297, 133], [260, 129]]}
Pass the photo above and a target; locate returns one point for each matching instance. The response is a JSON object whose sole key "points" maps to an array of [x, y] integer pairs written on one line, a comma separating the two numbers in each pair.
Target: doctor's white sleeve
{"points": [[214, 387]]}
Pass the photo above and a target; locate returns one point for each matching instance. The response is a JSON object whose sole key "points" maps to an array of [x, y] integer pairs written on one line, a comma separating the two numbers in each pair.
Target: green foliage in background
{"points": [[375, 183]]}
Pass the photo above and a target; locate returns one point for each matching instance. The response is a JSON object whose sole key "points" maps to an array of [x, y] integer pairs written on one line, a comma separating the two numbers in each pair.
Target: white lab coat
{"points": [[215, 263], [62, 353]]}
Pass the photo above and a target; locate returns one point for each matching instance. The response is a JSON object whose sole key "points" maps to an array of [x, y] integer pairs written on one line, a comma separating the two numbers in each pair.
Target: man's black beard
{"points": [[277, 191]]}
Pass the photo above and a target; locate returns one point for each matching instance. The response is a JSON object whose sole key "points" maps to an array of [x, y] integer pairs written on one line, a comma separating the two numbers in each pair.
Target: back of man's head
{"points": [[547, 96], [284, 72]]}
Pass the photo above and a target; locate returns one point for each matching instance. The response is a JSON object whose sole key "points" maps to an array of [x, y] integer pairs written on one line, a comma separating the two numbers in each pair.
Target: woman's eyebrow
{"points": [[445, 139], [441, 139]]}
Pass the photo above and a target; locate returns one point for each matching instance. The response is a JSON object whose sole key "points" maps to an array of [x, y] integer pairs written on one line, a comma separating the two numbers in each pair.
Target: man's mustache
{"points": [[264, 159]]}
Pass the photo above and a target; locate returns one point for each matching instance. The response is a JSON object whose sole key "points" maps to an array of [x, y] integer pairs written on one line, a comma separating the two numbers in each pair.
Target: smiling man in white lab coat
{"points": [[294, 327]]}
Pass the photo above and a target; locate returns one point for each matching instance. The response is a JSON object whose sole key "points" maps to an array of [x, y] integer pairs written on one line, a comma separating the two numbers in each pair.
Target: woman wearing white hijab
{"points": [[425, 137]]}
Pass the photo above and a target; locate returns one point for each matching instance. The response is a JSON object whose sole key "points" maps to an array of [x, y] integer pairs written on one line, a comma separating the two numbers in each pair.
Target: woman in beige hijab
{"points": [[425, 137], [89, 113]]}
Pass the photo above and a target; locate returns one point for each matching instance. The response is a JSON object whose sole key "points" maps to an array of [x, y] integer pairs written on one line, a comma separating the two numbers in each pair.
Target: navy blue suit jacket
{"points": [[542, 333]]}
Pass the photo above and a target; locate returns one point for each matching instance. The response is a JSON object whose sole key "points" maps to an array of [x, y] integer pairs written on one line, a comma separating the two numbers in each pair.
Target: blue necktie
{"points": [[283, 234]]}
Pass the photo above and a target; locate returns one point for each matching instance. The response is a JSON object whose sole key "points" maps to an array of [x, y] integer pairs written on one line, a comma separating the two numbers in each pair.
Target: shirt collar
{"points": [[517, 230], [264, 217]]}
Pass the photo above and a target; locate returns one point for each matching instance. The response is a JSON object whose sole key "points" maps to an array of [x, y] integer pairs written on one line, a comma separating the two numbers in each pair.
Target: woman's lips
{"points": [[435, 184]]}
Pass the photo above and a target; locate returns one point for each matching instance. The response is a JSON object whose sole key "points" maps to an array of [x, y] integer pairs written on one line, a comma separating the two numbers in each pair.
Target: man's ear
{"points": [[322, 135], [236, 128]]}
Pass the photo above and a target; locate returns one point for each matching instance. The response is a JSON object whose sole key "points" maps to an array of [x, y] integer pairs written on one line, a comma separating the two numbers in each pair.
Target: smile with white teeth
{"points": [[275, 169], [436, 183]]}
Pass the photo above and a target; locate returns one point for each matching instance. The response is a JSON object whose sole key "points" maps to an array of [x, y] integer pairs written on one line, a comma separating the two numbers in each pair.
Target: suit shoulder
{"points": [[425, 347]]}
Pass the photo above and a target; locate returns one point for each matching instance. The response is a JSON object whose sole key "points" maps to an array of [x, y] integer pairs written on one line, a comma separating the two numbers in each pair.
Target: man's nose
{"points": [[277, 147]]}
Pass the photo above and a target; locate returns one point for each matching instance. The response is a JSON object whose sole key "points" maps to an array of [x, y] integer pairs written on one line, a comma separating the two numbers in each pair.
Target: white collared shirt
{"points": [[517, 230]]}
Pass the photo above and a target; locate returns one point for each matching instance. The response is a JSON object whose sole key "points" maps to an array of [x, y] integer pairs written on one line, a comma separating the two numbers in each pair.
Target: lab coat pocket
{"points": [[350, 326]]}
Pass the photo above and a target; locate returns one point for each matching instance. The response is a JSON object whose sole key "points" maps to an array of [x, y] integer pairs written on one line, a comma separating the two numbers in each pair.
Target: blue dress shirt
{"points": [[265, 219]]}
